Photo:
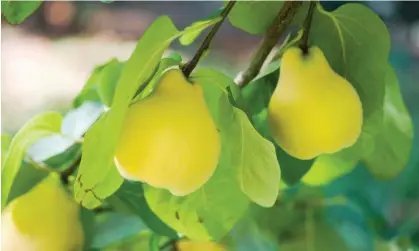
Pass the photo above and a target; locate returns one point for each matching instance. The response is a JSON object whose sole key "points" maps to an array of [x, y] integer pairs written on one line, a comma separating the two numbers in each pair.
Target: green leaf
{"points": [[134, 243], [208, 213], [101, 84], [356, 43], [214, 85], [254, 17], [255, 161], [329, 167], [130, 199], [100, 141], [294, 225], [26, 178], [88, 221], [94, 197], [6, 140], [116, 227], [108, 79], [253, 156], [42, 125], [393, 143], [175, 56], [16, 12], [192, 31]]}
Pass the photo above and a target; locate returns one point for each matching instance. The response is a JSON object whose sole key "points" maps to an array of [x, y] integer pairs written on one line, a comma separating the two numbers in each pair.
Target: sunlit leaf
{"points": [[194, 30], [100, 87], [40, 126], [253, 156], [329, 167], [6, 140]]}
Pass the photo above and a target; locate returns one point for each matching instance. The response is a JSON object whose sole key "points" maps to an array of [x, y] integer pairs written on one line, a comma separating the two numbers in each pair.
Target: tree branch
{"points": [[189, 66], [271, 37], [306, 27]]}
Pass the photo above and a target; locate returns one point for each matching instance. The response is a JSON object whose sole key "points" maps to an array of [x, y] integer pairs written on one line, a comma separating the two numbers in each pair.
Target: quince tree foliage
{"points": [[161, 153]]}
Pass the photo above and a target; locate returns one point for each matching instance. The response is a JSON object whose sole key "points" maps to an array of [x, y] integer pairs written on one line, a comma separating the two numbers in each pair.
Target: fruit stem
{"points": [[306, 27], [190, 66], [271, 37]]}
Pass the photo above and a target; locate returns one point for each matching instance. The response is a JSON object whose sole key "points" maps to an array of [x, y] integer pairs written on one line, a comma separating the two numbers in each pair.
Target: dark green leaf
{"points": [[87, 218], [26, 178], [99, 145], [254, 17], [16, 12], [116, 227], [257, 93], [130, 199], [393, 143]]}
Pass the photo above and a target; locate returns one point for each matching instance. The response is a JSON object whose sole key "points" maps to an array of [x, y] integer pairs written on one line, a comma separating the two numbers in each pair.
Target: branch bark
{"points": [[271, 37], [190, 66]]}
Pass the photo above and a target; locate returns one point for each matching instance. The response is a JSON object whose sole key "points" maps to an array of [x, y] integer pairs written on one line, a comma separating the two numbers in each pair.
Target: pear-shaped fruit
{"points": [[169, 139], [313, 110], [44, 219], [191, 245]]}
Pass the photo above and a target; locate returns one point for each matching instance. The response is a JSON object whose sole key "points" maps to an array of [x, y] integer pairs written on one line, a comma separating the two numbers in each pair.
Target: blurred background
{"points": [[47, 59]]}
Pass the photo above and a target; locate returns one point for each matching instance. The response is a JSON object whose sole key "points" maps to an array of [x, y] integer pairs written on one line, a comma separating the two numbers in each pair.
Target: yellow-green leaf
{"points": [[40, 126]]}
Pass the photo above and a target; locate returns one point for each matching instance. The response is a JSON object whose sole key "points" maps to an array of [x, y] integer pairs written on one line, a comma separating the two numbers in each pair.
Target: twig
{"points": [[271, 37], [169, 243], [99, 210], [70, 170], [306, 27], [189, 66]]}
